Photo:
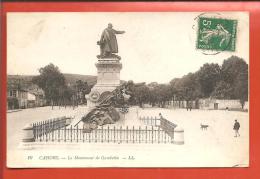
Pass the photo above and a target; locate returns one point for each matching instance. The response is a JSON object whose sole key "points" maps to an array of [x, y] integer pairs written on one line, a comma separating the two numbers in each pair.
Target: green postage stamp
{"points": [[216, 34]]}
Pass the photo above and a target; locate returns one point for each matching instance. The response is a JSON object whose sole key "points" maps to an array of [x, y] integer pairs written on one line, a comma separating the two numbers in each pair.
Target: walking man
{"points": [[236, 128]]}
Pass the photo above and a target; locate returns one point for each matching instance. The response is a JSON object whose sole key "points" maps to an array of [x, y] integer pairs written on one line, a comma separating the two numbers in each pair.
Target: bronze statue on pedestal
{"points": [[108, 43]]}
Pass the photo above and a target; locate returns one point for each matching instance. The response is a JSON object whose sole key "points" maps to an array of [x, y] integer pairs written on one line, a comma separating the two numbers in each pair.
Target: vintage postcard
{"points": [[127, 89]]}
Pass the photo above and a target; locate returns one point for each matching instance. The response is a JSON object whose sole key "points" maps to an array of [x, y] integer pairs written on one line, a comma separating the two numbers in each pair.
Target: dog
{"points": [[204, 127]]}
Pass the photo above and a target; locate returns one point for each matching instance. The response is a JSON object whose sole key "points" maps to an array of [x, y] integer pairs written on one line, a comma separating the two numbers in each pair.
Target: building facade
{"points": [[20, 96]]}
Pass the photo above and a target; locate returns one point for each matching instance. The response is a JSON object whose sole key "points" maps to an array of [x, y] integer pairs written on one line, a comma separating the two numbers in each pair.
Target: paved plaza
{"points": [[215, 146]]}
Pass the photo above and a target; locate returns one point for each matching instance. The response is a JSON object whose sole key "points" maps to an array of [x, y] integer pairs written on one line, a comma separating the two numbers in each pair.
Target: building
{"points": [[209, 103], [21, 96], [212, 103], [36, 96]]}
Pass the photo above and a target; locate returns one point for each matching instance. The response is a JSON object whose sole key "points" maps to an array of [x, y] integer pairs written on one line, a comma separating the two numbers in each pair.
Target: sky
{"points": [[157, 46]]}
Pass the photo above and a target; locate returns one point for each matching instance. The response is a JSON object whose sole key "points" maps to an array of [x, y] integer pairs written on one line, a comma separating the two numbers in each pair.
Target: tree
{"points": [[174, 88], [191, 86], [241, 88], [163, 94], [141, 94], [67, 96], [81, 89], [52, 81], [234, 71], [177, 89], [186, 88], [231, 68], [208, 76], [223, 90], [160, 93]]}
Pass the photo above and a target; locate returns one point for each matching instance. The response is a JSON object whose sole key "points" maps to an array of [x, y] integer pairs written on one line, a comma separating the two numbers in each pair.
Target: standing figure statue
{"points": [[108, 43]]}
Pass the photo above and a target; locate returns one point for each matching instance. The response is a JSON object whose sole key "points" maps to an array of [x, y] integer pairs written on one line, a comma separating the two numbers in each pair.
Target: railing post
{"points": [[145, 134], [58, 134], [54, 135], [77, 133], [126, 134], [95, 135], [89, 137], [65, 128], [108, 134], [55, 123], [37, 131], [50, 130], [120, 133], [83, 135], [34, 130], [158, 135], [102, 133], [49, 125], [59, 122], [133, 134], [139, 134], [28, 134], [152, 134], [46, 128], [71, 133], [44, 131], [80, 134], [114, 134], [164, 136]]}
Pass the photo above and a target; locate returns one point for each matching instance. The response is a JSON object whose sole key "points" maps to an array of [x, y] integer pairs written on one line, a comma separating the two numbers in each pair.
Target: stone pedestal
{"points": [[108, 78], [178, 136], [28, 134]]}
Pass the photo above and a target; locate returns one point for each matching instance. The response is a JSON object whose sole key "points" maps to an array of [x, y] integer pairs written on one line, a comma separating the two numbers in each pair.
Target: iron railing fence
{"points": [[154, 130]]}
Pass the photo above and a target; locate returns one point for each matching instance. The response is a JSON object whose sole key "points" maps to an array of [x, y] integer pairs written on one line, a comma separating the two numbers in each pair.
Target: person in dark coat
{"points": [[236, 128]]}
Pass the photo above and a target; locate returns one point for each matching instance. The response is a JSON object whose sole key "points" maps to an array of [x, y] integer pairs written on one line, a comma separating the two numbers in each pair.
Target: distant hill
{"points": [[23, 81], [26, 80], [70, 78]]}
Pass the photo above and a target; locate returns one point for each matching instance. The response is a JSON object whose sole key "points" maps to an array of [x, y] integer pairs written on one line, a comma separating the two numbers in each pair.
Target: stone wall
{"points": [[207, 104]]}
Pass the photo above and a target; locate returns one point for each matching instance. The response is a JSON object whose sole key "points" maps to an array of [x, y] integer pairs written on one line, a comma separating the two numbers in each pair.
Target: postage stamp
{"points": [[216, 34]]}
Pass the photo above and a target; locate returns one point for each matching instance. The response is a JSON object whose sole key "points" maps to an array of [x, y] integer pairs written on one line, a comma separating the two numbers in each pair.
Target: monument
{"points": [[108, 67]]}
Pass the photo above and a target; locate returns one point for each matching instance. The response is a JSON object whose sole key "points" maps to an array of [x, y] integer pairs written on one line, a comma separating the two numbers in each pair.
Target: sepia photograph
{"points": [[127, 89]]}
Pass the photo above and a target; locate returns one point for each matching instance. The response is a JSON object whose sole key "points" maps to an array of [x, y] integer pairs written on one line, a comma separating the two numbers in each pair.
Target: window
{"points": [[12, 93]]}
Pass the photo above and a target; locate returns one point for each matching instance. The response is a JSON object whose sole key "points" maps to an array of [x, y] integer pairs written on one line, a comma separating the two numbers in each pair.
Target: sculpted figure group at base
{"points": [[108, 43]]}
